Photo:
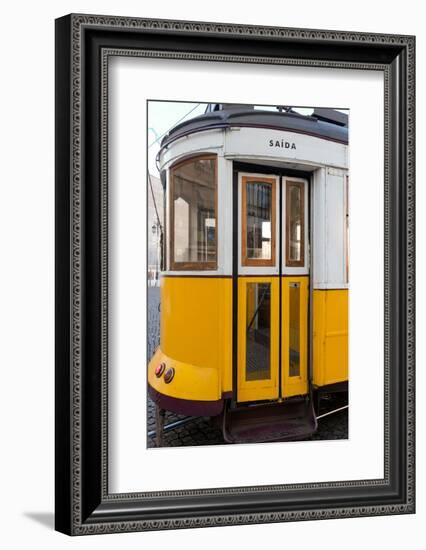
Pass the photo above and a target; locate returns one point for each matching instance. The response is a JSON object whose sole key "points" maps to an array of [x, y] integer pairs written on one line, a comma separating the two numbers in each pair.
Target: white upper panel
{"points": [[259, 144], [329, 229], [327, 160], [277, 145], [210, 141]]}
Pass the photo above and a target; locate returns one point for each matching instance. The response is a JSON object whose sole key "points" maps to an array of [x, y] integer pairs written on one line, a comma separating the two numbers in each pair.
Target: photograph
{"points": [[248, 273]]}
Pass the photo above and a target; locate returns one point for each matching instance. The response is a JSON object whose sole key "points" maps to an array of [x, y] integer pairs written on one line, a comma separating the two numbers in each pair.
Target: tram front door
{"points": [[273, 287]]}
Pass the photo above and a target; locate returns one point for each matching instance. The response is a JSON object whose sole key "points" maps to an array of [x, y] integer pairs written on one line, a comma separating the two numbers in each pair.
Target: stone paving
{"points": [[205, 431]]}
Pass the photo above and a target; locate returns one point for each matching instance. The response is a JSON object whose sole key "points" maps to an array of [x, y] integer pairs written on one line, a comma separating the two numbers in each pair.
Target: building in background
{"points": [[155, 228]]}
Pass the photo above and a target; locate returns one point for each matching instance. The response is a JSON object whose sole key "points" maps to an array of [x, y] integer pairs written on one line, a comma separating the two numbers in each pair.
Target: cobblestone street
{"points": [[204, 431]]}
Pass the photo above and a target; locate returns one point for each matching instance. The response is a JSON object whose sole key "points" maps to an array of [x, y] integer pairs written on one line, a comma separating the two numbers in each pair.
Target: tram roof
{"points": [[323, 123]]}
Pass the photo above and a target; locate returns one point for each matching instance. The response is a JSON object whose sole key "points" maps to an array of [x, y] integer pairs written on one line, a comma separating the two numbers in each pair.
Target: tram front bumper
{"points": [[192, 391]]}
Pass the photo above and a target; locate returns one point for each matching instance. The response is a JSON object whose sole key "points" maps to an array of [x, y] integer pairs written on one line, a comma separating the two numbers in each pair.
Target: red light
{"points": [[160, 369], [168, 377]]}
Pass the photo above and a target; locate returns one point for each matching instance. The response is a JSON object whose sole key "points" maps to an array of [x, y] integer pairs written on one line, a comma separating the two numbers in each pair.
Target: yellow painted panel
{"points": [[196, 334], [267, 388], [189, 382], [330, 351], [225, 322], [294, 335]]}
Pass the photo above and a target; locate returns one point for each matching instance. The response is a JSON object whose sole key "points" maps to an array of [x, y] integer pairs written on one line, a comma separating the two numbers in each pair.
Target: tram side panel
{"points": [[196, 341], [331, 278], [330, 353]]}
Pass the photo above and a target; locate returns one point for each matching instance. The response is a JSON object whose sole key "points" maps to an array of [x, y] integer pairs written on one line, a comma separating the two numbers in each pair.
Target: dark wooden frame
{"points": [[190, 266], [253, 262], [84, 44], [288, 262]]}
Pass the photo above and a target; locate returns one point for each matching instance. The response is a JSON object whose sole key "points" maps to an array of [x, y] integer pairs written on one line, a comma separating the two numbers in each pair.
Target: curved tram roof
{"points": [[323, 123]]}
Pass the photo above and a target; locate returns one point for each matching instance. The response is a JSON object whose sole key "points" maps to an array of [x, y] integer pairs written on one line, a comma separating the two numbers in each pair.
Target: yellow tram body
{"points": [[202, 356], [239, 330]]}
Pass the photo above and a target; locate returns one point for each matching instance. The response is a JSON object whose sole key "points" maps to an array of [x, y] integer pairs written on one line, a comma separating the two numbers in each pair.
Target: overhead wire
{"points": [[177, 122]]}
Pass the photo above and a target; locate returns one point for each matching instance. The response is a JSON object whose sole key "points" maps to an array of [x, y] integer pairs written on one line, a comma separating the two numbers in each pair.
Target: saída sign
{"points": [[282, 144]]}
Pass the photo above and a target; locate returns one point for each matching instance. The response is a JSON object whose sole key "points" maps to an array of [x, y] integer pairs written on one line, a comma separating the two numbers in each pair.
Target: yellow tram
{"points": [[255, 282]]}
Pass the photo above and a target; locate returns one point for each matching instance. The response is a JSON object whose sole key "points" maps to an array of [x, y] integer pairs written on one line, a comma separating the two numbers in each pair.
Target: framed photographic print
{"points": [[234, 274]]}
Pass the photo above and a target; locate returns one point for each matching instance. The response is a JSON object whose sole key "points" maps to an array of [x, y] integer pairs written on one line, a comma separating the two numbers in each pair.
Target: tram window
{"points": [[294, 329], [258, 221], [193, 214], [295, 224], [258, 331]]}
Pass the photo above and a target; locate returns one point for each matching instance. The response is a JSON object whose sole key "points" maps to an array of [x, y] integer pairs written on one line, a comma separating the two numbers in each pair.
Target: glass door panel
{"points": [[258, 331], [295, 223], [258, 322], [294, 335], [258, 210]]}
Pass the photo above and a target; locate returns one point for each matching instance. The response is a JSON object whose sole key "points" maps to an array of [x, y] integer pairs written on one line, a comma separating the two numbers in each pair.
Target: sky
{"points": [[163, 115]]}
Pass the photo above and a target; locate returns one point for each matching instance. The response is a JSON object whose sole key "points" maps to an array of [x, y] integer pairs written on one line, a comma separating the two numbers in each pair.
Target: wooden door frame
{"points": [[237, 168], [245, 180]]}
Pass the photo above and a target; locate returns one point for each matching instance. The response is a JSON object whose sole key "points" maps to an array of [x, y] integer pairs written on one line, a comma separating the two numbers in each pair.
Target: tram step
{"points": [[286, 421]]}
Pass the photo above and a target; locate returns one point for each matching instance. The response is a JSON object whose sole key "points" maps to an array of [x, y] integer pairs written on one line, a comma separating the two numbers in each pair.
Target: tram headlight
{"points": [[160, 369], [169, 374]]}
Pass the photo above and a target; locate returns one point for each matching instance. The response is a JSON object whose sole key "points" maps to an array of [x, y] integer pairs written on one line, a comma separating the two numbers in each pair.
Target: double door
{"points": [[273, 287]]}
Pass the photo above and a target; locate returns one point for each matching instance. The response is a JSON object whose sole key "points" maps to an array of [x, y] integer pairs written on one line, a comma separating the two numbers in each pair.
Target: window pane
{"points": [[294, 359], [194, 212], [258, 331], [258, 222], [295, 224]]}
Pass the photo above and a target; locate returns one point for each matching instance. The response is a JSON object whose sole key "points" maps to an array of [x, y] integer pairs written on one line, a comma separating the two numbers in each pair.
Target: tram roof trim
{"points": [[253, 118]]}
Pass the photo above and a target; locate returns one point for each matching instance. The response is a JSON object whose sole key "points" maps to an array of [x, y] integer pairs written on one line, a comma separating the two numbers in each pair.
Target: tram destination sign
{"points": [[282, 144]]}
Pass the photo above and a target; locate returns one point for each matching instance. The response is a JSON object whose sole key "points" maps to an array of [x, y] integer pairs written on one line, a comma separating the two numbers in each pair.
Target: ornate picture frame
{"points": [[84, 44]]}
